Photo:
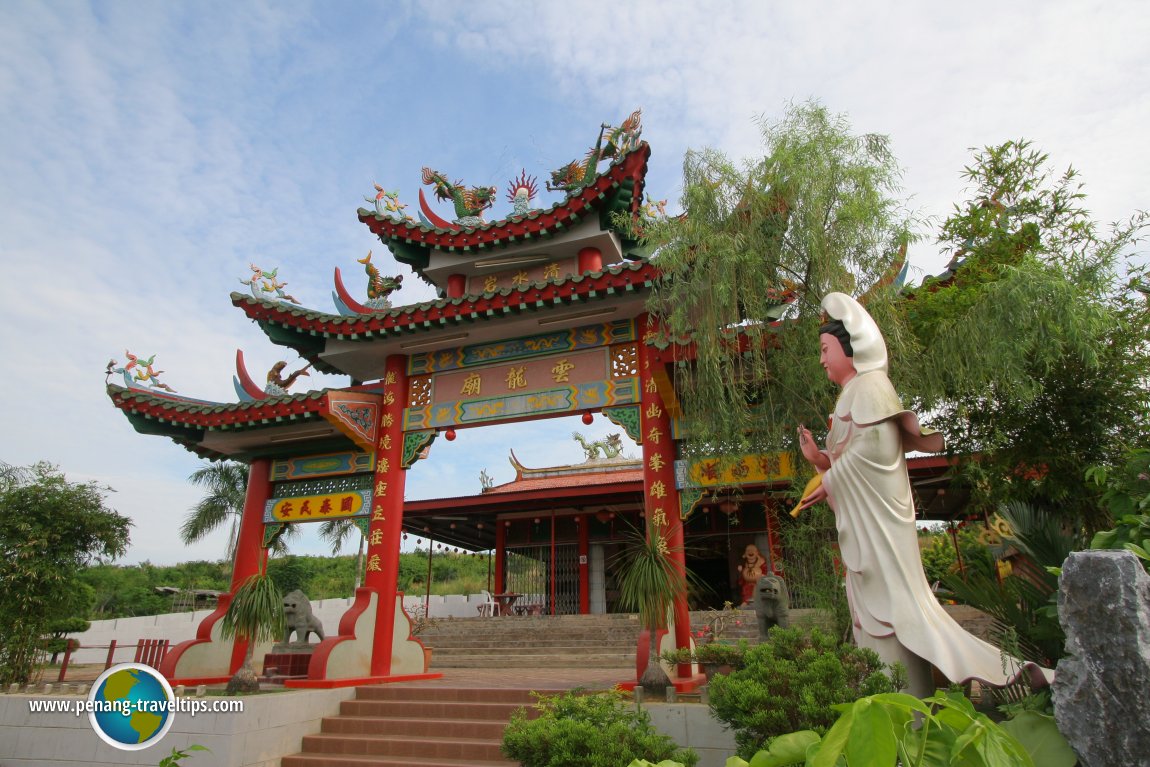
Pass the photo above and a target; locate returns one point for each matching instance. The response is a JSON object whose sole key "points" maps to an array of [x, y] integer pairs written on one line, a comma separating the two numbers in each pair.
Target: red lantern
{"points": [[588, 418], [450, 435]]}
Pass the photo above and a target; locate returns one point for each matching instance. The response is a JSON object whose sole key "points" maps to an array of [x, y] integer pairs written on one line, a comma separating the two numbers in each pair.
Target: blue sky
{"points": [[150, 151]]}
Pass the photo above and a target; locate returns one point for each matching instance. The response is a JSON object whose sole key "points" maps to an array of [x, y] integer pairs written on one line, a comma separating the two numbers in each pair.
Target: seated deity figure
{"points": [[865, 482]]}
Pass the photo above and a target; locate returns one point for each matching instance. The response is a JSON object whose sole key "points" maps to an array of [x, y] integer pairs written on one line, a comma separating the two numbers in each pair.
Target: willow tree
{"points": [[746, 266]]}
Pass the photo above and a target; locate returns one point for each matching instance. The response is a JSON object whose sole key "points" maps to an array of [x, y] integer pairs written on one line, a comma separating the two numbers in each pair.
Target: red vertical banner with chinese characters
{"points": [[385, 528], [661, 497]]}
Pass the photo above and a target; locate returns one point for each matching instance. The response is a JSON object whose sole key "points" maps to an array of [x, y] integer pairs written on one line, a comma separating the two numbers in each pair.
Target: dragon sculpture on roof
{"points": [[601, 449], [613, 142], [469, 203], [378, 286]]}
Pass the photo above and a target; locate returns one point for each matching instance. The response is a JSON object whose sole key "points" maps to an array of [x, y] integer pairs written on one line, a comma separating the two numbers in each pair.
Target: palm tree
{"points": [[226, 484], [335, 532], [650, 582], [254, 615]]}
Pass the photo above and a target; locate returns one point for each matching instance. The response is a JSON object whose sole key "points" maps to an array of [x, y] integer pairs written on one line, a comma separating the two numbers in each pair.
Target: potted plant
{"points": [[255, 614], [719, 658], [650, 582]]}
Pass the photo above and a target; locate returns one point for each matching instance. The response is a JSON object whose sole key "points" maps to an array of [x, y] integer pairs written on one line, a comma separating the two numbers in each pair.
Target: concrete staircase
{"points": [[562, 641], [397, 726]]}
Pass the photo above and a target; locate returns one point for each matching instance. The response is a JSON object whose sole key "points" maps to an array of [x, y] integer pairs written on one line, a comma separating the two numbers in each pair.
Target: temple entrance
{"points": [[547, 585]]}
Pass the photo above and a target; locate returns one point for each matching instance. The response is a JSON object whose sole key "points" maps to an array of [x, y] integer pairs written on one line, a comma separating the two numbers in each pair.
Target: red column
{"points": [[456, 285], [250, 554], [590, 260], [584, 564], [661, 497], [387, 511]]}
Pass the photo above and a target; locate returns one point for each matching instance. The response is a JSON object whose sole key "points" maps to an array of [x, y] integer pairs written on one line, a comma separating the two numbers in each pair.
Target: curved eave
{"points": [[617, 190], [191, 423], [306, 331]]}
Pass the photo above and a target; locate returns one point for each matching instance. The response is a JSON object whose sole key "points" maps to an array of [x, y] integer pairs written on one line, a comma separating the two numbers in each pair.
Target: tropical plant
{"points": [[650, 582], [939, 731], [1022, 603], [225, 486], [255, 614], [50, 528], [791, 682], [1132, 533], [595, 730]]}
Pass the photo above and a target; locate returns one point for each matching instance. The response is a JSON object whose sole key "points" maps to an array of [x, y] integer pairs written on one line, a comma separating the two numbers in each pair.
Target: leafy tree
{"points": [[49, 529], [1034, 356], [226, 486], [818, 212]]}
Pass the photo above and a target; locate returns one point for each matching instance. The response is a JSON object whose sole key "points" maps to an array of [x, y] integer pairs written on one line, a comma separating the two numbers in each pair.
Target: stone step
{"points": [[346, 760], [495, 647], [574, 660], [412, 746], [393, 725], [457, 694], [428, 709], [368, 725]]}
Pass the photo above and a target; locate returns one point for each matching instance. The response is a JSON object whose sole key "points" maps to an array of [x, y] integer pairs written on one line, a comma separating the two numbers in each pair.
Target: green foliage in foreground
{"points": [[881, 731], [793, 681], [589, 731], [172, 759]]}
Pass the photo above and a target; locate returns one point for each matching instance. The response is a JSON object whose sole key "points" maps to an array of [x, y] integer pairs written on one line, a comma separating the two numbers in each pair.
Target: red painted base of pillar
{"points": [[193, 681], [688, 684]]}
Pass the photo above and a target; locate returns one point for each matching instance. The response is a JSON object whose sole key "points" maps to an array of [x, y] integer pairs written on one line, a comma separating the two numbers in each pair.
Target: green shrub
{"points": [[882, 730], [791, 682], [589, 731]]}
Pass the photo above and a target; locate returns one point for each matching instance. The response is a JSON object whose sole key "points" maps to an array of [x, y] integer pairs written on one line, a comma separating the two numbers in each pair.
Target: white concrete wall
{"points": [[270, 727], [177, 627], [691, 725]]}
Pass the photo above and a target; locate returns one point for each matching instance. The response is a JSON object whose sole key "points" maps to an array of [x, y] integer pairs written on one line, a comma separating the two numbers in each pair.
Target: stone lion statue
{"points": [[299, 618], [772, 604]]}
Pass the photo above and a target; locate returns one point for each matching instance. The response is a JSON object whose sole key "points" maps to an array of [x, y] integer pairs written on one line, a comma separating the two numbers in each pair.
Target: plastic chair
{"points": [[487, 608]]}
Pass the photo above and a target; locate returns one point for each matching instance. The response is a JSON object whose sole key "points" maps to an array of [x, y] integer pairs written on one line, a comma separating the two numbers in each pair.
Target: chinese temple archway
{"points": [[541, 314]]}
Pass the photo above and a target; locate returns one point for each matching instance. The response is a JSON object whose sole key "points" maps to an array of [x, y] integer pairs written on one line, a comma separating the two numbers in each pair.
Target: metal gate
{"points": [[531, 574]]}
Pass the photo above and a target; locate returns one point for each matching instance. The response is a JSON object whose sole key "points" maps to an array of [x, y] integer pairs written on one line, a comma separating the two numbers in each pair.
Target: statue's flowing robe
{"points": [[869, 490]]}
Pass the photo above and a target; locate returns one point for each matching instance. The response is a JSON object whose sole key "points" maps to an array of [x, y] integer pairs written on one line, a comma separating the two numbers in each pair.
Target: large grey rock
{"points": [[1101, 687]]}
